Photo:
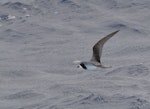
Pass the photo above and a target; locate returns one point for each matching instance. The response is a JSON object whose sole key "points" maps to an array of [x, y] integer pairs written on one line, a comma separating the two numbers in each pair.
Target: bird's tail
{"points": [[102, 66]]}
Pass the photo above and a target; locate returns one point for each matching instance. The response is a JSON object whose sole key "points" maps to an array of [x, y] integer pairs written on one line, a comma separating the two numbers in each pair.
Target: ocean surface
{"points": [[40, 40]]}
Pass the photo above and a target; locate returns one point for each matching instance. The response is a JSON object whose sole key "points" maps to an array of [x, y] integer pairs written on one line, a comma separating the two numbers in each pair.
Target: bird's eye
{"points": [[79, 66]]}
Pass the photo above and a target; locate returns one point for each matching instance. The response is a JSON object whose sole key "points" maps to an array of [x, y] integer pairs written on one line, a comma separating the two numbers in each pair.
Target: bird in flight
{"points": [[95, 61]]}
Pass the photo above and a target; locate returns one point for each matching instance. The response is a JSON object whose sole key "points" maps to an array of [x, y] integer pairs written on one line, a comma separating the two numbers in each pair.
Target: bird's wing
{"points": [[97, 48]]}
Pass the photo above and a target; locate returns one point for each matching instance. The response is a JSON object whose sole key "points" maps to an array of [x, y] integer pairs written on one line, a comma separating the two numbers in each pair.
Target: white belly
{"points": [[91, 67]]}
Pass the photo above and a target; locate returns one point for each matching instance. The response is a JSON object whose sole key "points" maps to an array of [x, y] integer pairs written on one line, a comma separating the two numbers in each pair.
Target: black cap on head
{"points": [[83, 66]]}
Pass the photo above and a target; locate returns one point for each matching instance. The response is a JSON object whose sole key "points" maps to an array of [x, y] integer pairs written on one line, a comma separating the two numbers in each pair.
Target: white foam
{"points": [[11, 17]]}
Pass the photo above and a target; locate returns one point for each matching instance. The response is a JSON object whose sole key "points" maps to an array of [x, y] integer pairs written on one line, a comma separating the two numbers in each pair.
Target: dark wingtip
{"points": [[117, 31], [83, 66]]}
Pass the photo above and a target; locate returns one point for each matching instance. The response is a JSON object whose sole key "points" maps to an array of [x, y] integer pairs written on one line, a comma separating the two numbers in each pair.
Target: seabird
{"points": [[95, 61]]}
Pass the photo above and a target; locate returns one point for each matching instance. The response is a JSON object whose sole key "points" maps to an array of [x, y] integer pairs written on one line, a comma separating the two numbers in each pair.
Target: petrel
{"points": [[95, 61]]}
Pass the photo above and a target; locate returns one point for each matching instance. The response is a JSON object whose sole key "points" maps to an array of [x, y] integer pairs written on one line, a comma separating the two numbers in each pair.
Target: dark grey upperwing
{"points": [[97, 48]]}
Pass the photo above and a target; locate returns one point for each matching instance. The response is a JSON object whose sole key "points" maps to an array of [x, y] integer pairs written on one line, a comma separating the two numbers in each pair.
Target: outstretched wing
{"points": [[97, 48]]}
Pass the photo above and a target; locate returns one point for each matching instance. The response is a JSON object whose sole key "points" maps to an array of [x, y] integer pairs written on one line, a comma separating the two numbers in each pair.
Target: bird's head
{"points": [[82, 65]]}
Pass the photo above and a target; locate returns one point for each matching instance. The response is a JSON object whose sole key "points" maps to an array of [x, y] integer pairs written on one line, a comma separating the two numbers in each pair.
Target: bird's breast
{"points": [[90, 66]]}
